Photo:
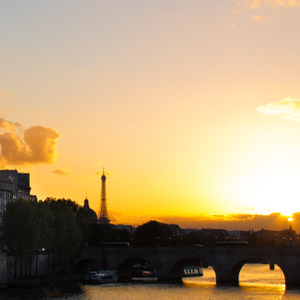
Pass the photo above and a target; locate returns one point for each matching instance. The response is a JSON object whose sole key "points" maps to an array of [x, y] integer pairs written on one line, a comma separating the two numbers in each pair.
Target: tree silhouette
{"points": [[68, 239], [152, 233], [20, 231], [50, 226]]}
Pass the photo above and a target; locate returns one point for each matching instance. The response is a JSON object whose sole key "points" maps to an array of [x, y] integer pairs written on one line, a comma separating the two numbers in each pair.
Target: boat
{"points": [[144, 272], [101, 276], [192, 271]]}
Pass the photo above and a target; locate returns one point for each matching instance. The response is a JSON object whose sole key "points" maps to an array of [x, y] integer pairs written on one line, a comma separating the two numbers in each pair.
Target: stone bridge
{"points": [[169, 261]]}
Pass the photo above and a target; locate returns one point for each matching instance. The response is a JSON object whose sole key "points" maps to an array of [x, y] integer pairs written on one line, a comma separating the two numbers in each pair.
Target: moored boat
{"points": [[192, 271], [144, 272], [101, 276]]}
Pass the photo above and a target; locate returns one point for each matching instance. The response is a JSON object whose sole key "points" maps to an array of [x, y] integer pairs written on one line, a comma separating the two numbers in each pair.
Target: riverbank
{"points": [[40, 290], [46, 280]]}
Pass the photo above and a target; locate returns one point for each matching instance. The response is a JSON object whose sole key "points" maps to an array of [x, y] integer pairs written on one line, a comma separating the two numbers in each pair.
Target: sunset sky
{"points": [[192, 107]]}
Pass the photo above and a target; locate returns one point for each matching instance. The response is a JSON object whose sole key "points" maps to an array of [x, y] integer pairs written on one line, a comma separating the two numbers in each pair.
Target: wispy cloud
{"points": [[259, 18], [256, 4], [9, 126], [60, 172], [258, 8], [5, 93], [35, 145], [105, 171], [287, 108]]}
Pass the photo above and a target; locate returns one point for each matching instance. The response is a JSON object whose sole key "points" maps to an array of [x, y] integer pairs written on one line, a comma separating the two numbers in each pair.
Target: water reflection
{"points": [[256, 282], [250, 275], [260, 276], [254, 279]]}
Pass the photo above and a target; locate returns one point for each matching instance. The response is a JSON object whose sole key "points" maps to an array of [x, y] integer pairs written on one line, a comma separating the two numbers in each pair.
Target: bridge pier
{"points": [[292, 275], [225, 274]]}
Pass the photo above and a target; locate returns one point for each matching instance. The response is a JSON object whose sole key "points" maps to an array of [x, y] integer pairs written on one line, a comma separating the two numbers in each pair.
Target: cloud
{"points": [[274, 221], [105, 172], [287, 108], [256, 4], [283, 3], [6, 125], [259, 18], [5, 93], [113, 215], [263, 5], [35, 145], [60, 172]]}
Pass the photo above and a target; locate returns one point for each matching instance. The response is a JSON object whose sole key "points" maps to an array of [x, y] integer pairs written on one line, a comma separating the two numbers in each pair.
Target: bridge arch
{"points": [[124, 269], [230, 274], [86, 265]]}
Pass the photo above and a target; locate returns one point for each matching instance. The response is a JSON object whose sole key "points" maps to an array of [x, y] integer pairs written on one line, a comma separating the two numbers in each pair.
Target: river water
{"points": [[257, 282]]}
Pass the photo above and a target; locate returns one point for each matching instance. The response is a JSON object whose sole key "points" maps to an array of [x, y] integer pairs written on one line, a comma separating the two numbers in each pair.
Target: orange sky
{"points": [[191, 107]]}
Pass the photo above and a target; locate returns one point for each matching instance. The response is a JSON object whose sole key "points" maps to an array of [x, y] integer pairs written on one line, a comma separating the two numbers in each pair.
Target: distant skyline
{"points": [[192, 107]]}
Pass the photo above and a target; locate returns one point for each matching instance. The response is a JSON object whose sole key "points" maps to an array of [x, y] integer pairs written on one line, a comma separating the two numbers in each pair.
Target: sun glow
{"points": [[271, 193], [269, 173]]}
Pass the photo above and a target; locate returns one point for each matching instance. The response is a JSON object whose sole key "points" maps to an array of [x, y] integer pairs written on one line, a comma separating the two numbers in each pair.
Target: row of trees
{"points": [[62, 227], [56, 227]]}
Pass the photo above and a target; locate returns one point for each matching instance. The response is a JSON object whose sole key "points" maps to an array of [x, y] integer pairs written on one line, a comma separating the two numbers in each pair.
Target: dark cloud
{"points": [[35, 145], [60, 172], [113, 216], [274, 221]]}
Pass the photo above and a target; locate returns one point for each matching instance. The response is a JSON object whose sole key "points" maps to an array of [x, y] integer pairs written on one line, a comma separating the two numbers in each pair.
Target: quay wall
{"points": [[3, 271], [12, 272]]}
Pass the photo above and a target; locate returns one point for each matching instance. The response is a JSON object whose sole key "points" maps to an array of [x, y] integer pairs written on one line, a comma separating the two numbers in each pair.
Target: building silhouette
{"points": [[92, 216], [103, 216], [13, 185]]}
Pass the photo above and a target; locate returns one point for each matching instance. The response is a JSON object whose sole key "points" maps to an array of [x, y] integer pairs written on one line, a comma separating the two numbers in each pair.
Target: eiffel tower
{"points": [[103, 219]]}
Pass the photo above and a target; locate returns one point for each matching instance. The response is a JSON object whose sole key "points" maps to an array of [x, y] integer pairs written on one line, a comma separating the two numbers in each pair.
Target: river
{"points": [[257, 282]]}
